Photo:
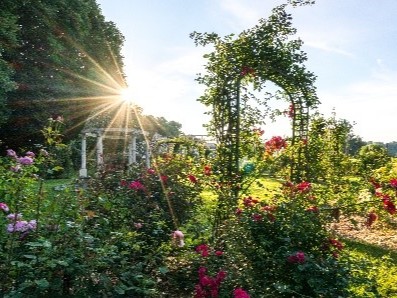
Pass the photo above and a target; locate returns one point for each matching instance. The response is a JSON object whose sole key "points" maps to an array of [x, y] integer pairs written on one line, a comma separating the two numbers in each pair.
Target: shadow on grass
{"points": [[374, 251]]}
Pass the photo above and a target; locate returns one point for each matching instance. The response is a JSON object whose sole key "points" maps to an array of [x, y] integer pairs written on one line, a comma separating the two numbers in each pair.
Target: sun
{"points": [[127, 95]]}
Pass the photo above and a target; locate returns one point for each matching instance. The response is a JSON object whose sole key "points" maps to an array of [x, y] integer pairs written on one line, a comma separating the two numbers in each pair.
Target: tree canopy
{"points": [[56, 58]]}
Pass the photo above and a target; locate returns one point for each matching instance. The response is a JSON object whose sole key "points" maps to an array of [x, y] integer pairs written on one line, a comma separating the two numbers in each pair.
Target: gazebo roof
{"points": [[109, 120]]}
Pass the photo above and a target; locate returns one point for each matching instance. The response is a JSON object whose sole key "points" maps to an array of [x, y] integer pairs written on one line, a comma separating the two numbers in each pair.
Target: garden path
{"points": [[354, 228]]}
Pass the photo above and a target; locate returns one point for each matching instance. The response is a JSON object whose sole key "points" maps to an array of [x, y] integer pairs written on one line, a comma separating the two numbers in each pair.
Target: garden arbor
{"points": [[238, 70]]}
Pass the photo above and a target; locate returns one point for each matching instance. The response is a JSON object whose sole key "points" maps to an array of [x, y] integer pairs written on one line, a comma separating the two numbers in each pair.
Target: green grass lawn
{"points": [[374, 270]]}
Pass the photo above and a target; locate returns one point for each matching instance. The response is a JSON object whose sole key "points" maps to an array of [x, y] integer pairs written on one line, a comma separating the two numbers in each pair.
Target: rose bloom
{"points": [[30, 154], [257, 217], [374, 183], [268, 208], [275, 143], [371, 218], [240, 293], [207, 170], [136, 185], [250, 202], [192, 178], [14, 216], [393, 183], [138, 225], [178, 237], [178, 234], [336, 243], [304, 186], [297, 258], [11, 153], [389, 206], [238, 211], [220, 276], [313, 209], [151, 171], [206, 281], [203, 250], [22, 226], [25, 160], [4, 207]]}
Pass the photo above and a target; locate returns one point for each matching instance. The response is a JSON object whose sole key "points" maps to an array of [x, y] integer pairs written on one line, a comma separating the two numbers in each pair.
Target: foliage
{"points": [[391, 148], [57, 50], [161, 126], [190, 225], [372, 157], [58, 163], [106, 239], [121, 234], [373, 271], [354, 144], [327, 159], [8, 37], [342, 182], [265, 53], [286, 247]]}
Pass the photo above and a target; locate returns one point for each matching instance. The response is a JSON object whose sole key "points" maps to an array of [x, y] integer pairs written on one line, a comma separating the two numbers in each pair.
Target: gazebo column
{"points": [[99, 152], [83, 169], [147, 156], [132, 151]]}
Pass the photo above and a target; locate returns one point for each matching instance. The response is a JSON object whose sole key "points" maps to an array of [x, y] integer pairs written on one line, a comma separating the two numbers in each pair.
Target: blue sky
{"points": [[351, 47]]}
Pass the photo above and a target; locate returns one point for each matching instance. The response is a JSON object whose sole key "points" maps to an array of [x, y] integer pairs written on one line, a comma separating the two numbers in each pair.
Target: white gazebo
{"points": [[129, 135]]}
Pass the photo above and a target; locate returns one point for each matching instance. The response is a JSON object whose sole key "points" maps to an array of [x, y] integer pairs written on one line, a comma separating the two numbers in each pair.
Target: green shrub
{"points": [[281, 248]]}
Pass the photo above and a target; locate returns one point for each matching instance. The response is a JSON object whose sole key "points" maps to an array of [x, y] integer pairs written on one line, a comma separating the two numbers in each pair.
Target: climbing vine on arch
{"points": [[237, 73]]}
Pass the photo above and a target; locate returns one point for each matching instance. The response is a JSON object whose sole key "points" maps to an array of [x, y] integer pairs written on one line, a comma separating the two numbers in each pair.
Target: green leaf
{"points": [[45, 244], [63, 263], [19, 264], [119, 290], [57, 168], [42, 283], [163, 270], [30, 256]]}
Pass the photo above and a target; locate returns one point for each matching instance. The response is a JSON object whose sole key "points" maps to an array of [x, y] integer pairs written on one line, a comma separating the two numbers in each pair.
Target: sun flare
{"points": [[127, 95]]}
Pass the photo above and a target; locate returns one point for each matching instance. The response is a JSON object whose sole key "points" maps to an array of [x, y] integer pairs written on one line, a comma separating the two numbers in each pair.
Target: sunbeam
{"points": [[127, 95]]}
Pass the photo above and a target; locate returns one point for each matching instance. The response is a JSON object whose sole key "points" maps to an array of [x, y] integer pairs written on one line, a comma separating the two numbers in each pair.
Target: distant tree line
{"points": [[340, 131], [355, 143], [391, 147], [57, 58]]}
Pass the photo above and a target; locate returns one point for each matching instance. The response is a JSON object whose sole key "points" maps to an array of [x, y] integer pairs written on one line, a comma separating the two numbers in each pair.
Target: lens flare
{"points": [[127, 95]]}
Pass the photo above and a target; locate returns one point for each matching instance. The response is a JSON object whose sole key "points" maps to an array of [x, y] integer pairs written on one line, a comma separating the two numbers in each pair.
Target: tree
{"points": [[66, 50], [8, 41], [392, 148], [372, 157], [160, 125], [354, 144], [328, 147]]}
